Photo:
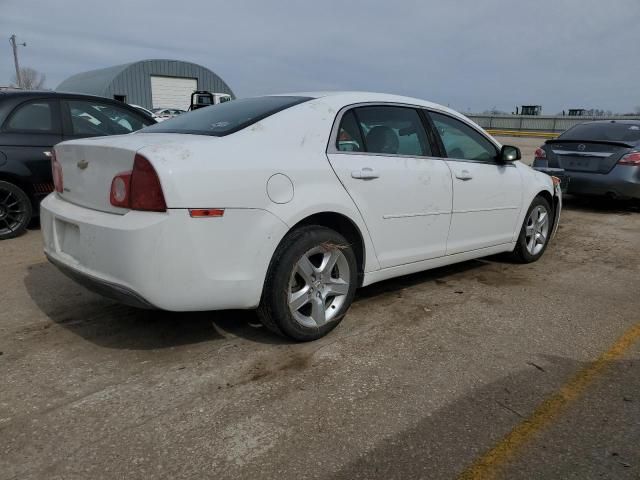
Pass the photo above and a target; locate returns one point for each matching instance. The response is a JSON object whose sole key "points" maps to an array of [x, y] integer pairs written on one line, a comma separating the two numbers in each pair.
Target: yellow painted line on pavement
{"points": [[521, 133], [488, 465]]}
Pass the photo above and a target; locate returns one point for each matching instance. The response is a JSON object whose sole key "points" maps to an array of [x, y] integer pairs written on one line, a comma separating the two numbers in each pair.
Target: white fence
{"points": [[536, 123]]}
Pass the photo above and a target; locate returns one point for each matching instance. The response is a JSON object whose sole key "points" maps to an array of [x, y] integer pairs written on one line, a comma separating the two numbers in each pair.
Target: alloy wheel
{"points": [[537, 230], [318, 286], [12, 212]]}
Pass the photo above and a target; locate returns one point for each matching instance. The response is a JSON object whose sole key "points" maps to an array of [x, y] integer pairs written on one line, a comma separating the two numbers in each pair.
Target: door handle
{"points": [[365, 173], [464, 175], [47, 153]]}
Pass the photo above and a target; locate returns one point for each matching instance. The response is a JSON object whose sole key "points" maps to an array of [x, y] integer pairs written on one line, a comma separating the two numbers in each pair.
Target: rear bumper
{"points": [[623, 181], [102, 287], [164, 260]]}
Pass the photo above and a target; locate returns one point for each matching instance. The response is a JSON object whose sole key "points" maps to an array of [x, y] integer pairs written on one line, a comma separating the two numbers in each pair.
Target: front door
{"points": [[487, 195], [383, 157]]}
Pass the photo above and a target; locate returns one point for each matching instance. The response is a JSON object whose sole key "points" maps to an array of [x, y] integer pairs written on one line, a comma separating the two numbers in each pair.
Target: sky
{"points": [[470, 55]]}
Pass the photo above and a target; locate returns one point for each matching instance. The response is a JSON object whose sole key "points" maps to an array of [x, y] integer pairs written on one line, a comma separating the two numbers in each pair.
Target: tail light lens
{"points": [[138, 189], [632, 158], [56, 171], [540, 154], [120, 190]]}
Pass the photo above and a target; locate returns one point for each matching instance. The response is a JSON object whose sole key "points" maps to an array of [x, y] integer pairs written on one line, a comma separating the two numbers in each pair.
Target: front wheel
{"points": [[310, 284], [535, 232], [15, 210]]}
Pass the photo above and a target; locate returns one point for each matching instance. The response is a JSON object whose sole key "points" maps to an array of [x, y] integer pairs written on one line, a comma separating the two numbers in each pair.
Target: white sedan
{"points": [[288, 203]]}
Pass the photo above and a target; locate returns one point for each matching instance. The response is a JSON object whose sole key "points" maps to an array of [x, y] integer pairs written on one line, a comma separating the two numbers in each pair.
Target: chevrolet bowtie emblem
{"points": [[82, 164]]}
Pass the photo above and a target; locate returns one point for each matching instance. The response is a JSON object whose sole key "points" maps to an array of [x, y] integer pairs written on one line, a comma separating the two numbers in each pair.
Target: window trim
{"points": [[335, 129], [56, 125]]}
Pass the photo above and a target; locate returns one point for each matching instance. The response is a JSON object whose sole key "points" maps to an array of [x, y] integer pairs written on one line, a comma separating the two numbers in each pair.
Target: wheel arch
{"points": [[547, 196], [19, 182], [345, 227]]}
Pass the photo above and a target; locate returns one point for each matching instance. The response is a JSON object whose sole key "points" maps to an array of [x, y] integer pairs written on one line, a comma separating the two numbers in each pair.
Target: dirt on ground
{"points": [[424, 375]]}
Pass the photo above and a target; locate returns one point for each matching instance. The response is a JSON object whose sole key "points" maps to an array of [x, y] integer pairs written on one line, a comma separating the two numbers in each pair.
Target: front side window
{"points": [[461, 141], [392, 130], [226, 118], [95, 118], [36, 116]]}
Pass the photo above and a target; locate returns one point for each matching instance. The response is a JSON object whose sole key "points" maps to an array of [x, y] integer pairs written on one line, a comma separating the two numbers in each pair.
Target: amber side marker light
{"points": [[206, 212]]}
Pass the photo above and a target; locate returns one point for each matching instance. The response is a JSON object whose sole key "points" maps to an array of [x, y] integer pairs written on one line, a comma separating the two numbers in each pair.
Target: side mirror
{"points": [[509, 154]]}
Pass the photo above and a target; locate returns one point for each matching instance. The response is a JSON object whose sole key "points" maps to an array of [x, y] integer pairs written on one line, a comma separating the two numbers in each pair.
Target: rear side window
{"points": [[349, 136], [90, 118], [386, 130], [36, 116], [612, 132], [228, 117]]}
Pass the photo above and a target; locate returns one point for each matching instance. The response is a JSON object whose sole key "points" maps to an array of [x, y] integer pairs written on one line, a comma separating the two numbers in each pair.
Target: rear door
{"points": [[487, 196], [28, 135], [384, 158]]}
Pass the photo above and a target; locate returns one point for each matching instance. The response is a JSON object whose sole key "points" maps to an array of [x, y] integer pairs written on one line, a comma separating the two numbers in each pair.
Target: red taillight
{"points": [[632, 158], [540, 154], [56, 171], [138, 189], [120, 190]]}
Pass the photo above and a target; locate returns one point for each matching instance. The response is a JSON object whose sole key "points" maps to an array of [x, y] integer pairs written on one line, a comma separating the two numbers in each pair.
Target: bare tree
{"points": [[30, 79]]}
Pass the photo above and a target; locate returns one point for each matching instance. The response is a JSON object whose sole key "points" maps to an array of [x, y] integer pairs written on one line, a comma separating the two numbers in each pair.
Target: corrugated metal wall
{"points": [[135, 80], [535, 123]]}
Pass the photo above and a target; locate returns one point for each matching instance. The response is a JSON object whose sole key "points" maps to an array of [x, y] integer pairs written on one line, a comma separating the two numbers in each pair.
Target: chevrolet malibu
{"points": [[288, 203]]}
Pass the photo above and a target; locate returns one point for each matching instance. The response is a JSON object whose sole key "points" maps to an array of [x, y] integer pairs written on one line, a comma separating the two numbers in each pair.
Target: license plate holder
{"points": [[68, 235]]}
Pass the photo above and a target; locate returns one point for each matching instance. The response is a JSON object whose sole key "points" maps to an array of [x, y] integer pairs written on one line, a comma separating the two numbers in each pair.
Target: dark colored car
{"points": [[31, 123], [598, 158]]}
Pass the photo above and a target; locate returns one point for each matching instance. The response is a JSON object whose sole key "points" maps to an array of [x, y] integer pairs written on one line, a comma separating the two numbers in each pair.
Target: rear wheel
{"points": [[310, 285], [535, 232], [15, 210]]}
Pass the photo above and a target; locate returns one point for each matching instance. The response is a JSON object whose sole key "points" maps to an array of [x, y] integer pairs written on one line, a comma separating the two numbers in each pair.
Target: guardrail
{"points": [[535, 124]]}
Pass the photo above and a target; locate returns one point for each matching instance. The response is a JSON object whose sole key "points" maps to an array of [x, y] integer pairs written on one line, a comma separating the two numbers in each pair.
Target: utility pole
{"points": [[14, 45]]}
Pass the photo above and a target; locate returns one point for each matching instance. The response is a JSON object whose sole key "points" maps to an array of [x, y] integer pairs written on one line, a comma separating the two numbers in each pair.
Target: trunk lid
{"points": [[586, 156], [89, 165]]}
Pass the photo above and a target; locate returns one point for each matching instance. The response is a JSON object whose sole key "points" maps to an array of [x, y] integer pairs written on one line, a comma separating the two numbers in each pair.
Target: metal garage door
{"points": [[172, 92]]}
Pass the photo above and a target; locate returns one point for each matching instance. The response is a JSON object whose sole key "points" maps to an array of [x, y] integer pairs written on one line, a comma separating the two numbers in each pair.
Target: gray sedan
{"points": [[599, 158]]}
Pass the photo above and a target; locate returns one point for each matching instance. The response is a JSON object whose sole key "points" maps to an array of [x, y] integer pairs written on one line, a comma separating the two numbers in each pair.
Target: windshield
{"points": [[612, 132], [228, 117]]}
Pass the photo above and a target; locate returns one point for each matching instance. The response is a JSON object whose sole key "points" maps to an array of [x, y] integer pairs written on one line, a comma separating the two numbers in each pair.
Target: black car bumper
{"points": [[623, 182], [102, 287]]}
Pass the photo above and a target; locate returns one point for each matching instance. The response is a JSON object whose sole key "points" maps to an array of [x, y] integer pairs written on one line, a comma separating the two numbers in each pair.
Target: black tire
{"points": [[521, 253], [15, 210], [274, 308]]}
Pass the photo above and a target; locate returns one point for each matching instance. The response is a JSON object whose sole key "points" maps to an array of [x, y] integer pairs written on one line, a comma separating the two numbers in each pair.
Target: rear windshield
{"points": [[225, 118], [612, 132]]}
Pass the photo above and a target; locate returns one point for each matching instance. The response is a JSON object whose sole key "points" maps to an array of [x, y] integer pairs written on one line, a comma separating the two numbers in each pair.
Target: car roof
{"points": [[50, 93], [621, 121], [351, 97]]}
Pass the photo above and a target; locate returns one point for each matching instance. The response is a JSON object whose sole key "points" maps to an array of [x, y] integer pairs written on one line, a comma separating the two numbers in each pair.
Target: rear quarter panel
{"points": [[233, 171]]}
